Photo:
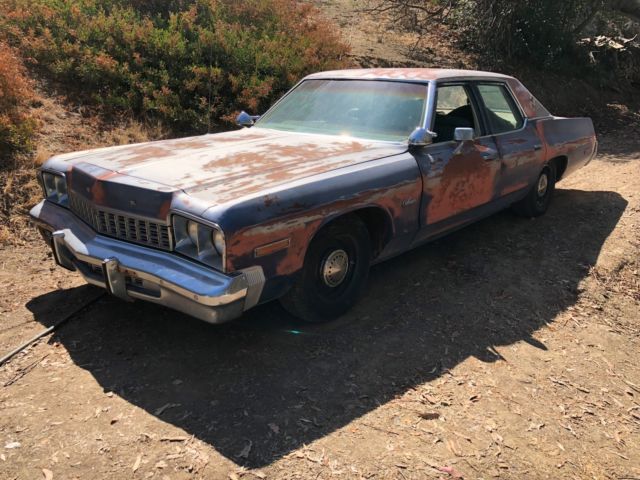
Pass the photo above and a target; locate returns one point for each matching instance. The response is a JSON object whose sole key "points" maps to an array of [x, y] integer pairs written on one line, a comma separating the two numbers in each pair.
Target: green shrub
{"points": [[517, 29], [189, 64], [580, 36]]}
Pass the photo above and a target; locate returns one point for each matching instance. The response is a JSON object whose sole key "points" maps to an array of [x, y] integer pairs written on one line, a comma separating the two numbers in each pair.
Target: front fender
{"points": [[291, 216]]}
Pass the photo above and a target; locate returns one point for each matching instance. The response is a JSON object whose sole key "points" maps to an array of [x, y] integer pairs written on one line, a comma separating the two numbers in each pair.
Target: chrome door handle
{"points": [[537, 148], [488, 156]]}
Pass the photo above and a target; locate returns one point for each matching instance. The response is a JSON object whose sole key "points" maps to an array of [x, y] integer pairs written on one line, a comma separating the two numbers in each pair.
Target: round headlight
{"points": [[218, 241], [192, 230]]}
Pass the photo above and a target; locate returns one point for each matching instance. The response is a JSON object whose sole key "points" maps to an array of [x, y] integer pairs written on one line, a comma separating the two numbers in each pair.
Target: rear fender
{"points": [[573, 138]]}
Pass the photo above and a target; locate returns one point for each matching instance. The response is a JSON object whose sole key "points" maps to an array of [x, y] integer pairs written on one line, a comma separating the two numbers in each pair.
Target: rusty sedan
{"points": [[348, 169]]}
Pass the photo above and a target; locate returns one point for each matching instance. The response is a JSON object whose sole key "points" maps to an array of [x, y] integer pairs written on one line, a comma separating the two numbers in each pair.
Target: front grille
{"points": [[118, 225]]}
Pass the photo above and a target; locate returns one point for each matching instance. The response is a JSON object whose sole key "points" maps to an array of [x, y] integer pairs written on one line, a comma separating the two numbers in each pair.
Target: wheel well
{"points": [[560, 164], [378, 224]]}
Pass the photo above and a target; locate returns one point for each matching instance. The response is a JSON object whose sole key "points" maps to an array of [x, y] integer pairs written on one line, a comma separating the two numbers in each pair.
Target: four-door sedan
{"points": [[348, 169]]}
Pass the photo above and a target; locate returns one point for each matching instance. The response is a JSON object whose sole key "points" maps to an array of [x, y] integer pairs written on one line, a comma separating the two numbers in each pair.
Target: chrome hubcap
{"points": [[335, 268], [543, 184]]}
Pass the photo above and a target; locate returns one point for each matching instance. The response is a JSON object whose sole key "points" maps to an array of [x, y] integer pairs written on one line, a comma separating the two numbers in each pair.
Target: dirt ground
{"points": [[506, 350], [383, 40]]}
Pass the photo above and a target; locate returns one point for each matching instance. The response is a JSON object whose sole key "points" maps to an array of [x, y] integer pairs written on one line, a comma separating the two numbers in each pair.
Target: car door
{"points": [[458, 176], [521, 150]]}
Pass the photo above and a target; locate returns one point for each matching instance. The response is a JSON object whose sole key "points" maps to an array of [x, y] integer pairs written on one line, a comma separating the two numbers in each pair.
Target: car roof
{"points": [[406, 74]]}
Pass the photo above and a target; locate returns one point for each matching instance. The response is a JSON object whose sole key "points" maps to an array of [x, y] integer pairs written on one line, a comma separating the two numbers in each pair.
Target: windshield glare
{"points": [[376, 110]]}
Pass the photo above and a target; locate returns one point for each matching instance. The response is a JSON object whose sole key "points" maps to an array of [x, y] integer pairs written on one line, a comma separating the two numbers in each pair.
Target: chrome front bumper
{"points": [[131, 271]]}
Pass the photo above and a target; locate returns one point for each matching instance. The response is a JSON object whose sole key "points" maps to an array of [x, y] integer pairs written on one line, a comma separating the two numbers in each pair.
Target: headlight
{"points": [[218, 241], [55, 188], [199, 241], [192, 231]]}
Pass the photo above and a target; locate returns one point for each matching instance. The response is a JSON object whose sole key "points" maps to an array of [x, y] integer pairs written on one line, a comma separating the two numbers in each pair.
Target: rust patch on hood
{"points": [[222, 167]]}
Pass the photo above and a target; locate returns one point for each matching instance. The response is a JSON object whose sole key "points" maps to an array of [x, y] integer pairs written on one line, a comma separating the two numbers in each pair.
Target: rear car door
{"points": [[520, 149], [458, 176]]}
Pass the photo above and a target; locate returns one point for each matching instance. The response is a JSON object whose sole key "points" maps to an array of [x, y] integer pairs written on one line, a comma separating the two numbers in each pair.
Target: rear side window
{"points": [[502, 112]]}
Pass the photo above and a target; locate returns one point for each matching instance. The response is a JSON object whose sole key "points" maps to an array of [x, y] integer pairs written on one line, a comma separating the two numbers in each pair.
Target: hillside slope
{"points": [[63, 126], [378, 40]]}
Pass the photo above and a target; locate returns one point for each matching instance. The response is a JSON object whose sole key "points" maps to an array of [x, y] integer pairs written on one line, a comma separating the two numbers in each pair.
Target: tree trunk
{"points": [[630, 8]]}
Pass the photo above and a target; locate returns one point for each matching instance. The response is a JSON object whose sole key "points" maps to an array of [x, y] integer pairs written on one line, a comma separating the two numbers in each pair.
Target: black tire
{"points": [[323, 291], [539, 197]]}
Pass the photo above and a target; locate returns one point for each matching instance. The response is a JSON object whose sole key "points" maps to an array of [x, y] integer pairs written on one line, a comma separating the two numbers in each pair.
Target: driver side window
{"points": [[453, 110]]}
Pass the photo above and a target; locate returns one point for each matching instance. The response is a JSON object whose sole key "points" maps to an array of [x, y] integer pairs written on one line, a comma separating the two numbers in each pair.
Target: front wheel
{"points": [[539, 197], [335, 272]]}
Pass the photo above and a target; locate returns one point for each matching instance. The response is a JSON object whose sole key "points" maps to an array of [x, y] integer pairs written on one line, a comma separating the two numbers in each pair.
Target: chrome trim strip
{"points": [[430, 116]]}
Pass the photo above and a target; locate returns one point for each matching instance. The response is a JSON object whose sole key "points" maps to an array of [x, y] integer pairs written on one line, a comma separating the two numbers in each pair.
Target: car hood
{"points": [[221, 167]]}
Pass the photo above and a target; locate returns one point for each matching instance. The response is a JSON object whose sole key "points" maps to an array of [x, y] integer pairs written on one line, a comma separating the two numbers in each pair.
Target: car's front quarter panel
{"points": [[274, 229]]}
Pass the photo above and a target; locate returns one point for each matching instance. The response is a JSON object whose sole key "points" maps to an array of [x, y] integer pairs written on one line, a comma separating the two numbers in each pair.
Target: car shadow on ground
{"points": [[268, 381]]}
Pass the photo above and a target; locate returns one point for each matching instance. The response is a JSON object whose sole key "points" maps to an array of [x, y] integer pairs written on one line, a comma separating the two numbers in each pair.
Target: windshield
{"points": [[375, 110]]}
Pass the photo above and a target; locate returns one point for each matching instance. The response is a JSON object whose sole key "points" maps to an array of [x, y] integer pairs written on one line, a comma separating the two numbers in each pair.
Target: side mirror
{"points": [[421, 137], [245, 120], [464, 134]]}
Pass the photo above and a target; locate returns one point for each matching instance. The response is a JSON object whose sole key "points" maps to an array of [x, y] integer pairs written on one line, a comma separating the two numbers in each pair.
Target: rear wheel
{"points": [[539, 197], [335, 272]]}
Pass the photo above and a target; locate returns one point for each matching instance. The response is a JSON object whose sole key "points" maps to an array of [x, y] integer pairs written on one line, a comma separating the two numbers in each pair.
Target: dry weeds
{"points": [[64, 127]]}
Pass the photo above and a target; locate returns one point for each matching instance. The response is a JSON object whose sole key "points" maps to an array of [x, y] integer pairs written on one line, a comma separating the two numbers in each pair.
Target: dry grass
{"points": [[64, 127], [17, 126], [20, 190]]}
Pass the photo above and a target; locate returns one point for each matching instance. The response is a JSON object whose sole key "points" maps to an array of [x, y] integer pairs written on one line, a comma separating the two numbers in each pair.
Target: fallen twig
{"points": [[380, 429], [49, 330], [24, 371]]}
